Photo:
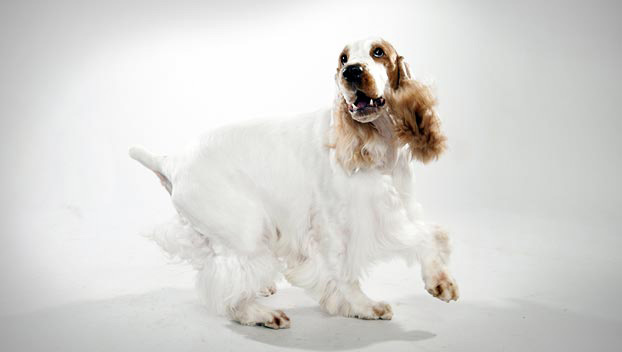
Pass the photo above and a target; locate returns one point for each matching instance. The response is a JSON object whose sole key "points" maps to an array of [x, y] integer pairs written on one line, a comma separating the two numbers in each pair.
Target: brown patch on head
{"points": [[389, 58], [396, 67], [344, 53]]}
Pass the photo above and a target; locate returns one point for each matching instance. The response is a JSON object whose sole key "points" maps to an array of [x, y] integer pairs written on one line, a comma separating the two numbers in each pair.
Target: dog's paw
{"points": [[255, 314], [382, 311], [268, 291], [442, 286], [273, 319], [375, 311], [279, 321]]}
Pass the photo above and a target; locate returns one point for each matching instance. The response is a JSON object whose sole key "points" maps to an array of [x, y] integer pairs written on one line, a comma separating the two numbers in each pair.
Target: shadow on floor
{"points": [[172, 319], [313, 329]]}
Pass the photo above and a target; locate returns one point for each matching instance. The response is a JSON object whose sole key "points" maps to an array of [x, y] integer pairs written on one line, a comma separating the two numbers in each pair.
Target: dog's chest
{"points": [[355, 209]]}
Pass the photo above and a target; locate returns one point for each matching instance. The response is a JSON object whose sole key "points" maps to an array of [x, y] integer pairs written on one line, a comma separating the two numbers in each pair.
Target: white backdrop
{"points": [[529, 98]]}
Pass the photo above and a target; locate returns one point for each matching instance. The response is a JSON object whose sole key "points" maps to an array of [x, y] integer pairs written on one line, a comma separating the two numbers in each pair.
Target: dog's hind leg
{"points": [[228, 283], [242, 263]]}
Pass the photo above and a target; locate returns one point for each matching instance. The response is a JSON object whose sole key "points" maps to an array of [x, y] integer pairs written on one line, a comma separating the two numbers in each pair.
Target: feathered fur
{"points": [[318, 197], [358, 145], [416, 122]]}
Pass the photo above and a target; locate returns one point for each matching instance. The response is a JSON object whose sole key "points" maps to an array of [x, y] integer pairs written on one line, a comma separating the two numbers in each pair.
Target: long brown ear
{"points": [[411, 106]]}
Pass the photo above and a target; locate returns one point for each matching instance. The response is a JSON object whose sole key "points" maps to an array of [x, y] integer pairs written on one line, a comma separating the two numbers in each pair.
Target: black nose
{"points": [[353, 73]]}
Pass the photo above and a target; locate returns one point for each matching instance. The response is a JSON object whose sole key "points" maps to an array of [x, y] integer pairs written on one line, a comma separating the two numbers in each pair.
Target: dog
{"points": [[318, 197]]}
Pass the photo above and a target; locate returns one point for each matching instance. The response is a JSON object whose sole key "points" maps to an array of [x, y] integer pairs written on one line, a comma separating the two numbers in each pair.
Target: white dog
{"points": [[318, 197]]}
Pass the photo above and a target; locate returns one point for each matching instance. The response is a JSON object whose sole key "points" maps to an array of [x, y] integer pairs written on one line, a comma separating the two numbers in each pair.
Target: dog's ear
{"points": [[401, 73], [411, 106]]}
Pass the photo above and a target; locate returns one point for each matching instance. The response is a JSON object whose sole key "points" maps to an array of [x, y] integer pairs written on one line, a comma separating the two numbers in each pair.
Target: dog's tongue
{"points": [[361, 103]]}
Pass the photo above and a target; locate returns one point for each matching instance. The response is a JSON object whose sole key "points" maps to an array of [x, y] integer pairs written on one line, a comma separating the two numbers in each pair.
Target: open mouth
{"points": [[363, 103]]}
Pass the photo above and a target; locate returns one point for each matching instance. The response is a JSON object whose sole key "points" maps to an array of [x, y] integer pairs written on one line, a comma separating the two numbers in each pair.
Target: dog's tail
{"points": [[155, 163]]}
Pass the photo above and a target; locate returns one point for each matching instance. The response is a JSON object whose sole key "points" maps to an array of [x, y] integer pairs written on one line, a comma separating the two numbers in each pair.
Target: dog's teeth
{"points": [[353, 106], [371, 102]]}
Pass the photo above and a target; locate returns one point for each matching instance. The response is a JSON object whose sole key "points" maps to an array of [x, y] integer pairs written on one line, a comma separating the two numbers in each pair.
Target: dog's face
{"points": [[366, 70]]}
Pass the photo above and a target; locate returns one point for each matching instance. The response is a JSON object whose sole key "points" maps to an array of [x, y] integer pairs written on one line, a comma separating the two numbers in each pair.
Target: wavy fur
{"points": [[416, 122], [318, 197]]}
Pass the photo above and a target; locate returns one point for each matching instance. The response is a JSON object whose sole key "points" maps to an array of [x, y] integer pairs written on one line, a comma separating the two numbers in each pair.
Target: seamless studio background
{"points": [[528, 94]]}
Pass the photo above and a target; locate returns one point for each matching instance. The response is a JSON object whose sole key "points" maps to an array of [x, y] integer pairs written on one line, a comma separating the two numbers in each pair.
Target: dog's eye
{"points": [[378, 52], [344, 58]]}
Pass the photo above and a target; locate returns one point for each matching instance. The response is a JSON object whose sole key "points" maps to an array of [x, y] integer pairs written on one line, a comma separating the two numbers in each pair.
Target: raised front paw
{"points": [[442, 286]]}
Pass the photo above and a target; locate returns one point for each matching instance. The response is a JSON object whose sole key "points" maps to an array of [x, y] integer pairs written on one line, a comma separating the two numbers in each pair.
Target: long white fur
{"points": [[268, 197]]}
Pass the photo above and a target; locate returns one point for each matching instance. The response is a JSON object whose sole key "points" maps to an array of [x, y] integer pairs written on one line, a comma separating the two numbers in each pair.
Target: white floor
{"points": [[527, 284]]}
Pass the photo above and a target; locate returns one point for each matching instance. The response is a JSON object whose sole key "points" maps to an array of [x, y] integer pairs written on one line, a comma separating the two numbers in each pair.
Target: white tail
{"points": [[154, 163]]}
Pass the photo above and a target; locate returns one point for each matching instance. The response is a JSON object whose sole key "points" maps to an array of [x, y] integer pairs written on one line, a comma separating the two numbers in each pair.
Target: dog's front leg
{"points": [[337, 294], [433, 254], [430, 243], [346, 298], [430, 246]]}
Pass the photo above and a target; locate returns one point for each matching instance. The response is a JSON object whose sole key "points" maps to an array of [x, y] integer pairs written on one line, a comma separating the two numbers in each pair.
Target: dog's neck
{"points": [[358, 145]]}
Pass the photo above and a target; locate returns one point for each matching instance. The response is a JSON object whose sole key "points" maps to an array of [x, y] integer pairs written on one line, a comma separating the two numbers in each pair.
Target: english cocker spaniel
{"points": [[318, 197]]}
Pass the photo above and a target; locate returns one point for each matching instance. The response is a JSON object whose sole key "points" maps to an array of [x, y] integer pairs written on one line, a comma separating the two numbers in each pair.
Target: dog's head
{"points": [[376, 90], [367, 69]]}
